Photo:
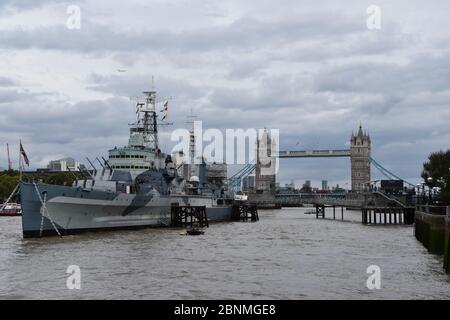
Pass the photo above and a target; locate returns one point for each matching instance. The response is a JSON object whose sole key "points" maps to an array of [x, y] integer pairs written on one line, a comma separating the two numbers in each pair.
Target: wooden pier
{"points": [[321, 210], [387, 215], [244, 212], [188, 216], [373, 215]]}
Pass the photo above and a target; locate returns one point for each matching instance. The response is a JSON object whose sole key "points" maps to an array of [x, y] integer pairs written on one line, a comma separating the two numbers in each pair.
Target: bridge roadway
{"points": [[313, 154]]}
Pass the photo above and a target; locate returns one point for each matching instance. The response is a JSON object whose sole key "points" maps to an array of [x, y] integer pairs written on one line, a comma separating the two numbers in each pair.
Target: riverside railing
{"points": [[434, 210]]}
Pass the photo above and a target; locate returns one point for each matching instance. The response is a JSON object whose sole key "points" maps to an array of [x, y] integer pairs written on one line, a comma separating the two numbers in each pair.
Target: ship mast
{"points": [[146, 124], [191, 121]]}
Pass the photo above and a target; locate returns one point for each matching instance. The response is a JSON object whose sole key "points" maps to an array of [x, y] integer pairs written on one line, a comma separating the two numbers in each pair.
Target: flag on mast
{"points": [[165, 109], [165, 106], [24, 155]]}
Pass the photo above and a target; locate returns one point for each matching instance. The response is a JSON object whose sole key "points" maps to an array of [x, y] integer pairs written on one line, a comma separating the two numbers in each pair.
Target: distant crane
{"points": [[9, 158]]}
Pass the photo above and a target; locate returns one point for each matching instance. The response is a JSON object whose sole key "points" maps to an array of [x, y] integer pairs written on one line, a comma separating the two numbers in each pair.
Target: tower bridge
{"points": [[374, 205], [265, 169], [359, 154]]}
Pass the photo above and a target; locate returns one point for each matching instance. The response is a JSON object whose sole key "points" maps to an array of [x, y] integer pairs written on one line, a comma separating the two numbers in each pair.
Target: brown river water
{"points": [[286, 255]]}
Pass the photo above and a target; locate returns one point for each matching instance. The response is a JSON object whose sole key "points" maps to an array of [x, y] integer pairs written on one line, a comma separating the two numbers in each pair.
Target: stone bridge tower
{"points": [[265, 170], [360, 164]]}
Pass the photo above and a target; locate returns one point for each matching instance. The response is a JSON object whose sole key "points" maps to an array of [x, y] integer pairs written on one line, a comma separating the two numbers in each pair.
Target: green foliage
{"points": [[438, 169], [7, 184], [9, 179], [62, 178]]}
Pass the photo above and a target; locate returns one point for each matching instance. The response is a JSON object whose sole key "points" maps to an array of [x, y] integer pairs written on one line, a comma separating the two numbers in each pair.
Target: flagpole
{"points": [[20, 162]]}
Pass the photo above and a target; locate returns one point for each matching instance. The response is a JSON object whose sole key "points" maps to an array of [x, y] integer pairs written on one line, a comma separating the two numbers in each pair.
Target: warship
{"points": [[135, 187]]}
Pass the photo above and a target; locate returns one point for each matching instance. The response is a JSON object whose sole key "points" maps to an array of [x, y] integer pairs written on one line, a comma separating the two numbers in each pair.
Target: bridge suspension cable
{"points": [[388, 174], [236, 180]]}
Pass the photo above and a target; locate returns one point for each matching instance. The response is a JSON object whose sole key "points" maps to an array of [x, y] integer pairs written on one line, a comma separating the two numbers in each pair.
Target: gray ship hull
{"points": [[74, 210]]}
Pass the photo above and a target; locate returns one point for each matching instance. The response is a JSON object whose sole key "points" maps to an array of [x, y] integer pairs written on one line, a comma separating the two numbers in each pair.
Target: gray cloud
{"points": [[243, 34], [24, 4], [422, 72], [7, 82], [310, 69]]}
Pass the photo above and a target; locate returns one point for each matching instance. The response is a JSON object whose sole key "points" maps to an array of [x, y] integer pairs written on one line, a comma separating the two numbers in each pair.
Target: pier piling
{"points": [[320, 211], [387, 215], [188, 216], [244, 212]]}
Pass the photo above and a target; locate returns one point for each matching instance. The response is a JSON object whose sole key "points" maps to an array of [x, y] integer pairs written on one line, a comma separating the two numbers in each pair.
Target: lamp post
{"points": [[430, 188], [422, 192], [418, 194]]}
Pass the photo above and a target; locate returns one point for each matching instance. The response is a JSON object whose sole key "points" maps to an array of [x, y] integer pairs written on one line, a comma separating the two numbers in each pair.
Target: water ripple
{"points": [[286, 255]]}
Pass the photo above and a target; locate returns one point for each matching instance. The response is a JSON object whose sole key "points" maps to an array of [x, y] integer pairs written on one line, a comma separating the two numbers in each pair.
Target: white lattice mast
{"points": [[191, 121], [146, 124], [9, 158]]}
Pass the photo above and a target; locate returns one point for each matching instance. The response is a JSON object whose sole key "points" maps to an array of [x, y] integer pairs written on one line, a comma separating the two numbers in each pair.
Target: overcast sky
{"points": [[311, 69]]}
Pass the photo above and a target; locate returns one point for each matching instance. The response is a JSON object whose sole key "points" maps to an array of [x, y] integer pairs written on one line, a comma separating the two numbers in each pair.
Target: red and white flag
{"points": [[165, 110], [24, 155], [165, 107]]}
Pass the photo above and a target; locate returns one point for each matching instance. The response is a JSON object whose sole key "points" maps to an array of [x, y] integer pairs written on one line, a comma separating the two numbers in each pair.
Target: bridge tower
{"points": [[265, 170], [360, 165]]}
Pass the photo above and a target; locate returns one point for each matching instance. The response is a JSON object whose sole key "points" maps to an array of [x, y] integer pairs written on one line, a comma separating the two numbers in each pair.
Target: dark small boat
{"points": [[194, 232]]}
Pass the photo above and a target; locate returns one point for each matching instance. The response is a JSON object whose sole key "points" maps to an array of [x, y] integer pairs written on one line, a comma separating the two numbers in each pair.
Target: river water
{"points": [[286, 255]]}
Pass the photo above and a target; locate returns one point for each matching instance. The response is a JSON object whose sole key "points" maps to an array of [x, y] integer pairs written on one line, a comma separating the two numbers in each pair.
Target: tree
{"points": [[9, 179], [436, 173], [62, 178], [7, 185]]}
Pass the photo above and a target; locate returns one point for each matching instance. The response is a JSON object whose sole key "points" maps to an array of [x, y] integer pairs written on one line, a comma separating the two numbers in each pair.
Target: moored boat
{"points": [[10, 209]]}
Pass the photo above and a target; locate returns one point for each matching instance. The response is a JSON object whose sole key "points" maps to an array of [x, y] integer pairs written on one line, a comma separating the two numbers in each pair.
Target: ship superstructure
{"points": [[142, 152]]}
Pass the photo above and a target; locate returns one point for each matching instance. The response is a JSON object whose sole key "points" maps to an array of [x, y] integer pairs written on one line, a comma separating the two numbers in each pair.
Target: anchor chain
{"points": [[43, 212]]}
